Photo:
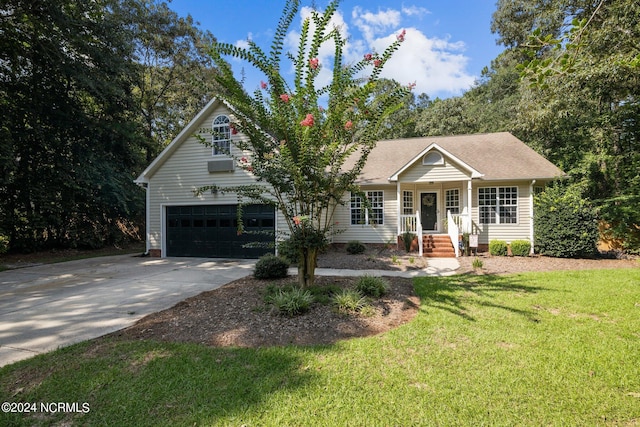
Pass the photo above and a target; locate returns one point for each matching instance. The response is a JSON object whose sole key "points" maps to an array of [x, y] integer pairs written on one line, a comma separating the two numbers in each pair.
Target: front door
{"points": [[429, 211]]}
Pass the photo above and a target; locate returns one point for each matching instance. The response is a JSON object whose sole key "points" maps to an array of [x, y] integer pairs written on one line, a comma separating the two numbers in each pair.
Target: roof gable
{"points": [[431, 148], [187, 132]]}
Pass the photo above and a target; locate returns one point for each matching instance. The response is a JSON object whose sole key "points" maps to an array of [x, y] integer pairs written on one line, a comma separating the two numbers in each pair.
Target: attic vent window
{"points": [[432, 159]]}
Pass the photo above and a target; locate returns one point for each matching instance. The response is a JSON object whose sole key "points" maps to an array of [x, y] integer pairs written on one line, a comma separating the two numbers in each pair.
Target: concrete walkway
{"points": [[49, 306], [435, 267]]}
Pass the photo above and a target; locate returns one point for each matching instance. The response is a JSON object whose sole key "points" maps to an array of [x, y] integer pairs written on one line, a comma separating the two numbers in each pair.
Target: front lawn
{"points": [[558, 348]]}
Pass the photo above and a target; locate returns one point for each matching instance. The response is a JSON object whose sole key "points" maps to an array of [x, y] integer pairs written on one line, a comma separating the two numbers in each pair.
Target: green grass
{"points": [[557, 348]]}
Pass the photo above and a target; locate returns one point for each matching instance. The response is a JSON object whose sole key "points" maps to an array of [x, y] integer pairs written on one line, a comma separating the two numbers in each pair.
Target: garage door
{"points": [[212, 231]]}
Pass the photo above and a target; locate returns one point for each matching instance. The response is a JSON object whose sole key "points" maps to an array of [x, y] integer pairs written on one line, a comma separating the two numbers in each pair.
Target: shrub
{"points": [[498, 247], [271, 267], [565, 224], [407, 239], [521, 247], [349, 300], [355, 247], [291, 302], [372, 286], [288, 252], [4, 244]]}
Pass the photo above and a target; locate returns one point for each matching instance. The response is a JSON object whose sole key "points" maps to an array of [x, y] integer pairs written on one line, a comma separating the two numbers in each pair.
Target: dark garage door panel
{"points": [[212, 231]]}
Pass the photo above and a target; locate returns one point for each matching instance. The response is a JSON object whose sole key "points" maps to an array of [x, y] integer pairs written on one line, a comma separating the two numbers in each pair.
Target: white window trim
{"points": [[411, 209], [439, 161], [446, 208], [224, 127], [499, 219], [366, 211]]}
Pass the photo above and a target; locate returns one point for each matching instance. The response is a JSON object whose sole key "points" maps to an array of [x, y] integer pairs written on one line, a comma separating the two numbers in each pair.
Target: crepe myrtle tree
{"points": [[304, 155]]}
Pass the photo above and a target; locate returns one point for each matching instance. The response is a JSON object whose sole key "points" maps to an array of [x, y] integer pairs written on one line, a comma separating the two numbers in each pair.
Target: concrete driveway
{"points": [[49, 306]]}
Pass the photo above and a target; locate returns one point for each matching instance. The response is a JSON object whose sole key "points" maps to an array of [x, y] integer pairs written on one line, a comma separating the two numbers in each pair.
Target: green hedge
{"points": [[520, 248], [271, 267], [498, 247], [566, 225]]}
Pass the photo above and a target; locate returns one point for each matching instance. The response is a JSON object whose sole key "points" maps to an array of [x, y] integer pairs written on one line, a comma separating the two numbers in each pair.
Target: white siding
{"points": [[183, 172], [420, 173], [508, 232], [368, 233]]}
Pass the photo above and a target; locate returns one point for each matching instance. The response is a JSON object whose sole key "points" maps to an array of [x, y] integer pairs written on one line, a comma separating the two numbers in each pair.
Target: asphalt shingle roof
{"points": [[497, 156]]}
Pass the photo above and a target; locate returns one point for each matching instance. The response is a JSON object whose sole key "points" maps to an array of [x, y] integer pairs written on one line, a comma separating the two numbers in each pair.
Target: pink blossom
{"points": [[308, 121], [284, 97], [250, 168], [313, 63], [377, 63], [368, 57], [348, 125], [400, 36], [297, 220], [411, 86], [233, 128], [243, 160], [263, 85]]}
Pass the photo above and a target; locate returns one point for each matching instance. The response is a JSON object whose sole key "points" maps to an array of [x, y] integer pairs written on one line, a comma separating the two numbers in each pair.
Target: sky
{"points": [[447, 43]]}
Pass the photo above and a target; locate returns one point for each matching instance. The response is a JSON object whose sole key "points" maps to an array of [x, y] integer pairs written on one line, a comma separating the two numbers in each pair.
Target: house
{"points": [[439, 187]]}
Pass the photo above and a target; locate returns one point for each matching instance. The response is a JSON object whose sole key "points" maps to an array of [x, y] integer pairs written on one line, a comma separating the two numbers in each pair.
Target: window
{"points": [[433, 158], [407, 203], [498, 205], [221, 136], [452, 201], [359, 213]]}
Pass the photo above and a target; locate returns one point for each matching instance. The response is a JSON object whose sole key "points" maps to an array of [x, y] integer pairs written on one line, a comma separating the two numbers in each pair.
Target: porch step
{"points": [[437, 246]]}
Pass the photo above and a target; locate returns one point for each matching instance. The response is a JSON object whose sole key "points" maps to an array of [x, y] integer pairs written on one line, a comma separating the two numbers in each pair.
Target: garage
{"points": [[212, 231]]}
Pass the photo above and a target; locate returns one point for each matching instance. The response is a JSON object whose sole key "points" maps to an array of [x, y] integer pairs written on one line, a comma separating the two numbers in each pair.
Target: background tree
{"points": [[90, 92], [301, 143], [174, 74], [68, 138], [582, 106]]}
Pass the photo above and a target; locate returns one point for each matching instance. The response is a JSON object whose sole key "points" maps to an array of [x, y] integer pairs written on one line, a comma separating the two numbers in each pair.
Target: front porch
{"points": [[436, 213]]}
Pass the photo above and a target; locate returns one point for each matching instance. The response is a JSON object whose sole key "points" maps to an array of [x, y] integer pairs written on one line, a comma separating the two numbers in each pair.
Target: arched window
{"points": [[433, 158], [221, 136]]}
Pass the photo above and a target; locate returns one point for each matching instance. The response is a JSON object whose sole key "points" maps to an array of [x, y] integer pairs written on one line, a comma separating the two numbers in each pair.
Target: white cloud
{"points": [[415, 11], [372, 24], [436, 65]]}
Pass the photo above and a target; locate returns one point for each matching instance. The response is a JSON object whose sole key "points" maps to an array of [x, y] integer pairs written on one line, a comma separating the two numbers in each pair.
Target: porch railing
{"points": [[419, 233], [453, 230], [408, 223], [412, 224]]}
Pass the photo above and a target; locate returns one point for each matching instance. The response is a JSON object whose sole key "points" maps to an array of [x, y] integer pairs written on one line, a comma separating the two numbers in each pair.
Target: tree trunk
{"points": [[307, 267]]}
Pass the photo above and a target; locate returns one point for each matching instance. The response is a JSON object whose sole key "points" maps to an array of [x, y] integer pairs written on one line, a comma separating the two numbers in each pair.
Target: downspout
{"points": [[399, 202], [531, 213]]}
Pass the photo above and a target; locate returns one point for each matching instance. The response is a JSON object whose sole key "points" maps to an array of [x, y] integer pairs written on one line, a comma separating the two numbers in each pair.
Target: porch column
{"points": [[468, 221], [399, 208]]}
